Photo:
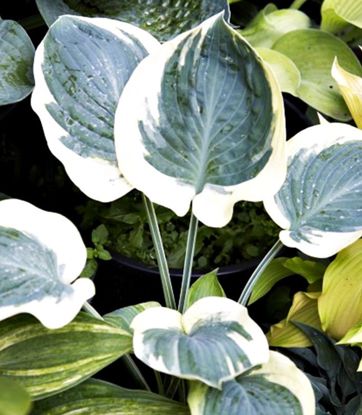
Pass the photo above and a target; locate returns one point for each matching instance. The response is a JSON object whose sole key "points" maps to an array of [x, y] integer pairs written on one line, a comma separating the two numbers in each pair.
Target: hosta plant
{"points": [[193, 118]]}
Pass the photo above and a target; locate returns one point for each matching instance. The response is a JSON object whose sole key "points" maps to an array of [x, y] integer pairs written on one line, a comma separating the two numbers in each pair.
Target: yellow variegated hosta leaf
{"points": [[340, 305], [350, 86], [305, 310]]}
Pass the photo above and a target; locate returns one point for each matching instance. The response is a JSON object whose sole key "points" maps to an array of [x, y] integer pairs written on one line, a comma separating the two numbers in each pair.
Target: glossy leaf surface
{"points": [[95, 397], [163, 19], [277, 388], [214, 341], [16, 61], [81, 68], [319, 204], [206, 124], [41, 254], [46, 362]]}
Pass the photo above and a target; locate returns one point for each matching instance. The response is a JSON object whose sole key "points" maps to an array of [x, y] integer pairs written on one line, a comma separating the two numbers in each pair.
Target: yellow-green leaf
{"points": [[14, 400], [304, 309], [340, 305]]}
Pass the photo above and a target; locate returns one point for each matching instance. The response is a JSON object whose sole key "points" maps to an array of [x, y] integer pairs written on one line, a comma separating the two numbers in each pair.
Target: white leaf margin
{"points": [[97, 178], [214, 205], [207, 309], [316, 138], [60, 235]]}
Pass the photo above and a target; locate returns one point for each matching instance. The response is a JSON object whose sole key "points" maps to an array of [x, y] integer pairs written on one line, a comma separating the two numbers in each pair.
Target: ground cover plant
{"points": [[183, 106]]}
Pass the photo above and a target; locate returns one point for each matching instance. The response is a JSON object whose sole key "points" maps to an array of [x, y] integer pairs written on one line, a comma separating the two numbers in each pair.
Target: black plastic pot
{"points": [[124, 281]]}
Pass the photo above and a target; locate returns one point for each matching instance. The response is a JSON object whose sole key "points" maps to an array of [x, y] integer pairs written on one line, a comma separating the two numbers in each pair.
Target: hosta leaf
{"points": [[206, 286], [340, 306], [102, 398], [214, 341], [337, 14], [284, 69], [312, 271], [14, 400], [123, 317], [80, 69], [305, 310], [206, 124], [41, 253], [317, 87], [319, 204], [353, 335], [46, 361], [270, 24], [16, 61], [163, 19], [276, 388], [351, 89]]}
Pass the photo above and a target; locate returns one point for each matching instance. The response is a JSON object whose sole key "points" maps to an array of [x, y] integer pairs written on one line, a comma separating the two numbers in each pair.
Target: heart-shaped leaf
{"points": [[41, 253], [46, 361], [202, 119], [16, 61], [317, 87], [14, 400], [102, 398], [340, 306], [277, 388], [214, 341], [162, 19], [319, 204], [80, 69]]}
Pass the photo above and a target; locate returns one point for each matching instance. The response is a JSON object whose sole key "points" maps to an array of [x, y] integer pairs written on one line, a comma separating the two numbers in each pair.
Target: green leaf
{"points": [[16, 61], [312, 271], [214, 341], [206, 124], [100, 235], [317, 87], [162, 19], [206, 286], [340, 306], [319, 203], [102, 398], [80, 69], [304, 309], [270, 24], [337, 15], [41, 254], [46, 361], [14, 400], [277, 388], [123, 317], [90, 269], [284, 69]]}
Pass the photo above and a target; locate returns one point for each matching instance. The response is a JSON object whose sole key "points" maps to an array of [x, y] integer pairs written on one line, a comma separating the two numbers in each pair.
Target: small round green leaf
{"points": [[46, 362], [14, 400], [41, 254], [201, 120], [16, 61], [163, 19], [102, 398], [319, 204], [81, 68], [277, 388], [214, 341], [317, 87]]}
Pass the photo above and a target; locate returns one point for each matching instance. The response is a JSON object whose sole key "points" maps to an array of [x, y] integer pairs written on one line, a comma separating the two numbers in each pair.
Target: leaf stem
{"points": [[160, 387], [127, 359], [189, 257], [248, 289], [297, 4], [160, 253]]}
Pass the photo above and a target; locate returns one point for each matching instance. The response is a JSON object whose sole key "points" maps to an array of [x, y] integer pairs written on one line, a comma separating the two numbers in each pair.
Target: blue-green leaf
{"points": [[16, 61], [41, 254], [163, 19], [277, 388], [214, 341], [319, 204], [46, 362], [201, 120], [80, 69], [95, 397]]}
